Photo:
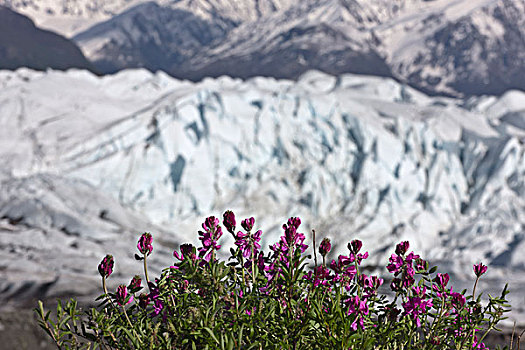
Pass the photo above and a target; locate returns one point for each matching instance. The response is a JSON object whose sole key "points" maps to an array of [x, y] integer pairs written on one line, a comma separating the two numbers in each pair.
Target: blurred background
{"points": [[383, 120]]}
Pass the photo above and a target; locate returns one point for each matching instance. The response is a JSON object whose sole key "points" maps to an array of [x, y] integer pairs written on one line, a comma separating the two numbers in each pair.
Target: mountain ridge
{"points": [[443, 47], [22, 44]]}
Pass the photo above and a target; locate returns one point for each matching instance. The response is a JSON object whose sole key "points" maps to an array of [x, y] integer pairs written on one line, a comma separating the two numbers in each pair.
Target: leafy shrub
{"points": [[273, 300]]}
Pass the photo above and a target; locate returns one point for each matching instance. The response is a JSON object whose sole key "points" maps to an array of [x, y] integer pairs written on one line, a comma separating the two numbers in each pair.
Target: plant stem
{"points": [[315, 253], [359, 291], [106, 292], [434, 321], [130, 325], [253, 261], [44, 321], [474, 289], [127, 318], [146, 271], [243, 275], [104, 286]]}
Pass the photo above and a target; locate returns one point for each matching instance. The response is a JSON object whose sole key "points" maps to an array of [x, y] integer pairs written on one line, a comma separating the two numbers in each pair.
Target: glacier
{"points": [[91, 162]]}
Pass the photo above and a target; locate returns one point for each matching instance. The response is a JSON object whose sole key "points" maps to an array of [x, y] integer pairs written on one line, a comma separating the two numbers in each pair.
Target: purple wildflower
{"points": [[359, 308], [245, 240], [458, 300], [360, 257], [343, 267], [210, 236], [396, 284], [105, 268], [247, 224], [122, 296], [294, 221], [419, 291], [416, 306], [210, 223], [229, 221], [402, 248], [396, 263], [135, 284], [480, 269], [411, 257], [375, 282], [291, 237], [186, 251], [154, 296], [477, 345], [442, 280], [320, 276], [355, 246], [408, 281], [144, 245], [325, 247], [420, 264]]}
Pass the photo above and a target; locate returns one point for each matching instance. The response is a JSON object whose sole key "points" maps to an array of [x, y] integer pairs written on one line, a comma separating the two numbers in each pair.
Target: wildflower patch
{"points": [[274, 300]]}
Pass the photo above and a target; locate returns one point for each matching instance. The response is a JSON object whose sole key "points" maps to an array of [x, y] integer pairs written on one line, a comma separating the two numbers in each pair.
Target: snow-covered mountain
{"points": [[89, 163], [151, 36], [469, 47], [70, 17], [447, 47]]}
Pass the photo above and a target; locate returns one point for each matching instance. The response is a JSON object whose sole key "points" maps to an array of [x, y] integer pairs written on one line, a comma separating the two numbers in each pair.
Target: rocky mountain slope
{"points": [[24, 45], [354, 156], [446, 47]]}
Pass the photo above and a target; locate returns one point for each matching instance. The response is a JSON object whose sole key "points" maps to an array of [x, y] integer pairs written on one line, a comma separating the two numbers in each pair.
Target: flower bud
{"points": [[105, 268], [295, 222], [247, 224], [355, 246], [122, 296], [135, 284], [402, 248], [144, 245], [480, 269], [186, 250], [210, 223], [229, 221], [325, 247], [442, 279], [376, 282]]}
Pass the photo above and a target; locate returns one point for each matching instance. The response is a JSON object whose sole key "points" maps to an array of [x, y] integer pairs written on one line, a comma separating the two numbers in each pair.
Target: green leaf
{"points": [[211, 334], [239, 336]]}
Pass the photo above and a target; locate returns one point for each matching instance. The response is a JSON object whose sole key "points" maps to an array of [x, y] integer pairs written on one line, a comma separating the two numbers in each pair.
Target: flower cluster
{"points": [[402, 266], [276, 300], [248, 243], [209, 237]]}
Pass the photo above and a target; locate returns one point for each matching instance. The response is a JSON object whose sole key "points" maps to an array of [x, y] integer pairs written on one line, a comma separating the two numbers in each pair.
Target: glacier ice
{"points": [[91, 162]]}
